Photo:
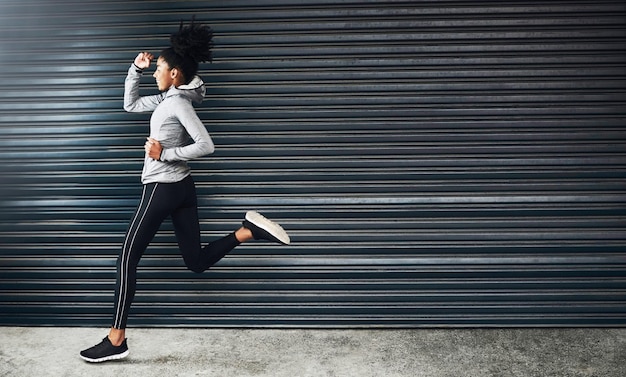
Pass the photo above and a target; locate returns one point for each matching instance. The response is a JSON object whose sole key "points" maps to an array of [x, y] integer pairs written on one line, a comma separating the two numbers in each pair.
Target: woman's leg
{"points": [[187, 228], [152, 210], [199, 259], [150, 213]]}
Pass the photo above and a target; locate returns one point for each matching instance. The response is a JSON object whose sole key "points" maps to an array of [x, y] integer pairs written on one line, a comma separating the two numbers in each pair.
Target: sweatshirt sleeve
{"points": [[133, 103], [202, 145]]}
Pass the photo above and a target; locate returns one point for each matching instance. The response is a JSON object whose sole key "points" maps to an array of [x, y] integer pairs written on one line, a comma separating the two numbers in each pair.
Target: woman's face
{"points": [[163, 75]]}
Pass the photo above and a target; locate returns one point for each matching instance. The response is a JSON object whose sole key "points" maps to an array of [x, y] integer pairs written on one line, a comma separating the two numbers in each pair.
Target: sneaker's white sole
{"points": [[106, 358], [268, 225]]}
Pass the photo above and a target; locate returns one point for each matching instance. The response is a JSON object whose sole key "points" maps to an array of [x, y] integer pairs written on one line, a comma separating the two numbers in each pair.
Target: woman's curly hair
{"points": [[190, 45]]}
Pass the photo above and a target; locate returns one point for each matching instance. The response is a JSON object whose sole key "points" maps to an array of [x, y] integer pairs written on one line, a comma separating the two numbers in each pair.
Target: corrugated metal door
{"points": [[437, 163]]}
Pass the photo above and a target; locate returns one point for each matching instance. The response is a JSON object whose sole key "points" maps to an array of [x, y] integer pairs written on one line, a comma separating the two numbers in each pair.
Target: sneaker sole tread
{"points": [[106, 358], [268, 225]]}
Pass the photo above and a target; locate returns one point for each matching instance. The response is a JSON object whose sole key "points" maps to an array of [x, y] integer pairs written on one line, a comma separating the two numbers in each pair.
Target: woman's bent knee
{"points": [[197, 269]]}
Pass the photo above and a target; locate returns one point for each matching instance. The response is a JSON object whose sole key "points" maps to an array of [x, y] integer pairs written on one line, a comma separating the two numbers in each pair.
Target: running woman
{"points": [[176, 136]]}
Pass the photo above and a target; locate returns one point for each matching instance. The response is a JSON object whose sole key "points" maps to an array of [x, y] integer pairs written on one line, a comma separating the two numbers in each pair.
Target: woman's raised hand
{"points": [[143, 59]]}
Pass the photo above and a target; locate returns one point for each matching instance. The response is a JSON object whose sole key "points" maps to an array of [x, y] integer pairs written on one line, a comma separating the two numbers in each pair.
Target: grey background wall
{"points": [[440, 163]]}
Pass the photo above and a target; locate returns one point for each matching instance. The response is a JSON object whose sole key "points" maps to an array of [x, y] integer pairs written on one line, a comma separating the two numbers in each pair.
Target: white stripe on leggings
{"points": [[126, 256]]}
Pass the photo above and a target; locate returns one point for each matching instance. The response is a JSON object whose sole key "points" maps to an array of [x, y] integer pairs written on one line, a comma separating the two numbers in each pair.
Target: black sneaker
{"points": [[265, 229], [105, 351]]}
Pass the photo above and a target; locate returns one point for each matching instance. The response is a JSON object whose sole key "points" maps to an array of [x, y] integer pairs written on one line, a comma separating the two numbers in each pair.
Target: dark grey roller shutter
{"points": [[441, 163]]}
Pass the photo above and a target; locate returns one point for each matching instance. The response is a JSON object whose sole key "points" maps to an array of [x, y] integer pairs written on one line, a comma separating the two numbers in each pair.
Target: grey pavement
{"points": [[36, 351]]}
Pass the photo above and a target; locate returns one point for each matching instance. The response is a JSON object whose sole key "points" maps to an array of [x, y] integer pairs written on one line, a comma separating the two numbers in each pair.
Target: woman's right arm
{"points": [[132, 101]]}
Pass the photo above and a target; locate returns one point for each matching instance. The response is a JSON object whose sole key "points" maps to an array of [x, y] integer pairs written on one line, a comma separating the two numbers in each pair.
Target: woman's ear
{"points": [[177, 76], [174, 73]]}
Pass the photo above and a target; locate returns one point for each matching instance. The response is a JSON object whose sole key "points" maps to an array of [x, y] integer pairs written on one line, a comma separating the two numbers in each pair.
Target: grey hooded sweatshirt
{"points": [[174, 123]]}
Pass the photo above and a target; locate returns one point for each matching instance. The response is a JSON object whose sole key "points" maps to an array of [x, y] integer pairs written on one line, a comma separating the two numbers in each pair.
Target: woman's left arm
{"points": [[202, 142]]}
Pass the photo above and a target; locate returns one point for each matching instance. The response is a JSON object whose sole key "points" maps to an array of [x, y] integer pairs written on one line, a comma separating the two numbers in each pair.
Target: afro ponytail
{"points": [[190, 45], [193, 41]]}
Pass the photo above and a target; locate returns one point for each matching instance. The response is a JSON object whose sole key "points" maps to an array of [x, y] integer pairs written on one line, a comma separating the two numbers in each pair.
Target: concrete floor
{"points": [[51, 352]]}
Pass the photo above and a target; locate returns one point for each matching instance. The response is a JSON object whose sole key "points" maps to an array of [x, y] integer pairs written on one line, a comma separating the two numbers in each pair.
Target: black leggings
{"points": [[158, 201]]}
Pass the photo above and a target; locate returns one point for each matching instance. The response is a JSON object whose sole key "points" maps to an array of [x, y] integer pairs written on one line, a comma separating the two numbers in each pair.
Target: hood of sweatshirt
{"points": [[194, 91]]}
